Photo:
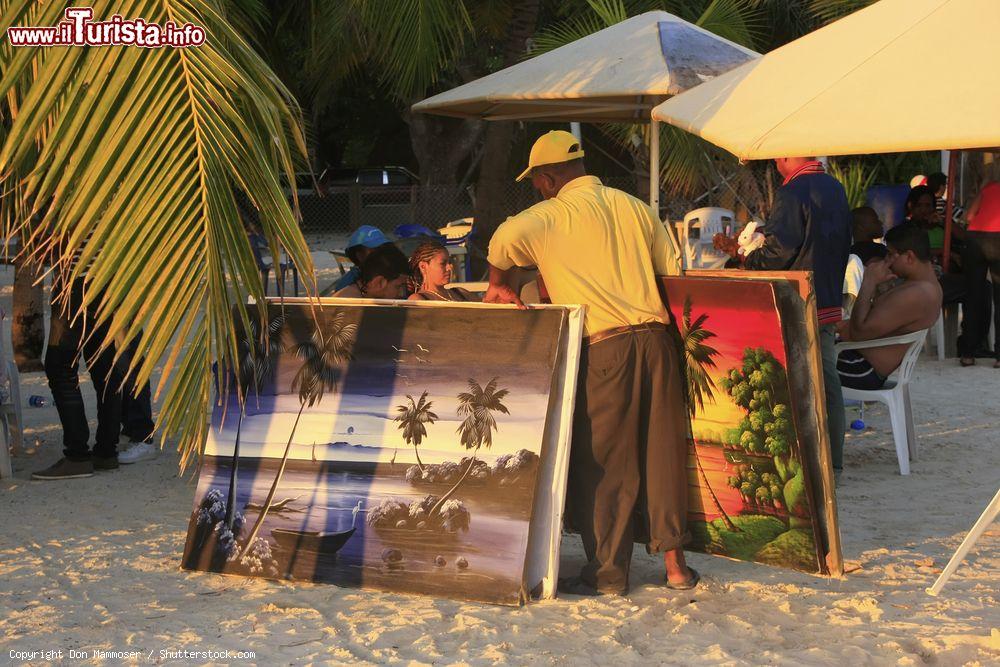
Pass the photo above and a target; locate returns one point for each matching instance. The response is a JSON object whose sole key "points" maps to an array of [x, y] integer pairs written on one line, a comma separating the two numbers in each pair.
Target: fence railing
{"points": [[339, 210]]}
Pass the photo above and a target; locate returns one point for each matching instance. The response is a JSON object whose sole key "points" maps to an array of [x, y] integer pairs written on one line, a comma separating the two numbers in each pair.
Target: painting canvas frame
{"points": [[797, 302], [799, 343], [543, 526]]}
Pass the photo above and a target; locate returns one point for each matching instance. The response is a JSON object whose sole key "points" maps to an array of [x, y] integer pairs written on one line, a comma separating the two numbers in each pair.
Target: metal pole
{"points": [[988, 517], [654, 188], [654, 167], [949, 208]]}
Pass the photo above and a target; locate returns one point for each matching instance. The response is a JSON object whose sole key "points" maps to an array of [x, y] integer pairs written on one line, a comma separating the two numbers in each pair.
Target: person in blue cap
{"points": [[363, 241]]}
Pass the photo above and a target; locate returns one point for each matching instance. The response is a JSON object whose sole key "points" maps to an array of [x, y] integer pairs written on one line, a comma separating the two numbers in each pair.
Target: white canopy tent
{"points": [[860, 85], [615, 75]]}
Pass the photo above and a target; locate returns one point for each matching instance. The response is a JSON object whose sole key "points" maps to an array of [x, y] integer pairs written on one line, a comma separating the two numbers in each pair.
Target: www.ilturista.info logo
{"points": [[79, 30]]}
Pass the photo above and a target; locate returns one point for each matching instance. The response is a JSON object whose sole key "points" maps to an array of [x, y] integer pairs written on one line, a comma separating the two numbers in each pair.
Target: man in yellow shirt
{"points": [[602, 248]]}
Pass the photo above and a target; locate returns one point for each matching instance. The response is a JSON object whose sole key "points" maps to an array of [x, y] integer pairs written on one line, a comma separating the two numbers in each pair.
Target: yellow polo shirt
{"points": [[595, 246]]}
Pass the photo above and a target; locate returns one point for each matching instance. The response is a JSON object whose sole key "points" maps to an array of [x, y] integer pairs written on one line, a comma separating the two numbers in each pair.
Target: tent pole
{"points": [[654, 189], [949, 208], [654, 167]]}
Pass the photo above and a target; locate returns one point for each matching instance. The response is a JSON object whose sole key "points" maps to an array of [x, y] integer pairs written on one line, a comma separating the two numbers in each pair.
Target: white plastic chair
{"points": [[895, 393], [939, 342]]}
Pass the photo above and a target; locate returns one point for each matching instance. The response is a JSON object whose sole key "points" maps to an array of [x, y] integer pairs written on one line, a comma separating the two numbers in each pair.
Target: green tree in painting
{"points": [[327, 349], [476, 408], [760, 388], [412, 419], [698, 358]]}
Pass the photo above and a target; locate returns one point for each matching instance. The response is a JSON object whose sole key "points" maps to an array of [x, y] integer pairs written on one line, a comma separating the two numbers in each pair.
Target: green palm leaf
{"points": [[130, 157], [828, 11], [413, 41]]}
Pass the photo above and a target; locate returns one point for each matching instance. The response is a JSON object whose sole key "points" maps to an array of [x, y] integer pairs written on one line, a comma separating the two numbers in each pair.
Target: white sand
{"points": [[93, 564]]}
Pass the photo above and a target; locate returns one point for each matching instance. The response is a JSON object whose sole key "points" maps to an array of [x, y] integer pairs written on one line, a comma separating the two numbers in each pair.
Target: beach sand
{"points": [[94, 565]]}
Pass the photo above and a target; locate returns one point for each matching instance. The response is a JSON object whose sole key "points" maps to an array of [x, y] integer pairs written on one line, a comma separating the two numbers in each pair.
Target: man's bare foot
{"points": [[677, 570]]}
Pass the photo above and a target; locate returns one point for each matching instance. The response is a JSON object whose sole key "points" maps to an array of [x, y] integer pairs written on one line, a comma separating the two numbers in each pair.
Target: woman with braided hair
{"points": [[430, 266]]}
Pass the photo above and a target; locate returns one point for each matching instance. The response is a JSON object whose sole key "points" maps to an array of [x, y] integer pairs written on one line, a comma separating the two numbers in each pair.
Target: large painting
{"points": [[753, 488], [399, 447]]}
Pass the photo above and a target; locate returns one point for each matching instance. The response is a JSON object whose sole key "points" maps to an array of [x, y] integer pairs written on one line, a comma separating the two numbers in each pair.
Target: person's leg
{"points": [[137, 410], [663, 451], [62, 372], [836, 417], [974, 268], [856, 373], [991, 250], [604, 471], [107, 377]]}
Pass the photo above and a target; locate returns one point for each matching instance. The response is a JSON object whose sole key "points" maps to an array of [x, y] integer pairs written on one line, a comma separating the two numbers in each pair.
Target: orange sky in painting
{"points": [[742, 314]]}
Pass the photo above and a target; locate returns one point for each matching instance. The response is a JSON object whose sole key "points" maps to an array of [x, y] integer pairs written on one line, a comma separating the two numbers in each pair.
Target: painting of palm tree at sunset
{"points": [[749, 492]]}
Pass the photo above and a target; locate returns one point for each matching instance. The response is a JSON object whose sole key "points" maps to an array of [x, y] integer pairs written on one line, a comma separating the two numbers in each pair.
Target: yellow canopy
{"points": [[900, 75], [617, 74]]}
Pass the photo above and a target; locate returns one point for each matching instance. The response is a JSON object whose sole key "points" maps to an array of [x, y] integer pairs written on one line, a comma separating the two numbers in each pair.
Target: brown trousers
{"points": [[629, 449]]}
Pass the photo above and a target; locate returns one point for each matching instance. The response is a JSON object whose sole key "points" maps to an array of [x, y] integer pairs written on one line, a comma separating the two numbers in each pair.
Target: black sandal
{"points": [[967, 361], [691, 582]]}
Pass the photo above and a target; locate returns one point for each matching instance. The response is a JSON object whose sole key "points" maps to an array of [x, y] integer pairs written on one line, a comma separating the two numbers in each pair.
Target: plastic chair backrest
{"points": [[909, 362], [915, 341], [702, 224]]}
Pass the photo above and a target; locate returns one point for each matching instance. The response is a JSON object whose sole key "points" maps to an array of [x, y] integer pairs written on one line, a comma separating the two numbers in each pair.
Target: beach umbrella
{"points": [[614, 75], [899, 75]]}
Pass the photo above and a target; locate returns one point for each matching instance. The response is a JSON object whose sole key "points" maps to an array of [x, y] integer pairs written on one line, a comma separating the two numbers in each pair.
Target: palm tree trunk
{"points": [[231, 498], [715, 500], [274, 487], [420, 464], [451, 491], [494, 168]]}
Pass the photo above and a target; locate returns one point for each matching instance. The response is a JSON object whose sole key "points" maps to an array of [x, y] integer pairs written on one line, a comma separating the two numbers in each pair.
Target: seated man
{"points": [[887, 307], [865, 229], [362, 243], [383, 275]]}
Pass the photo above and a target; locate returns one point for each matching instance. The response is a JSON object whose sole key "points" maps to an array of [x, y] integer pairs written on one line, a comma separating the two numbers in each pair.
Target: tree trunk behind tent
{"points": [[440, 145], [494, 173]]}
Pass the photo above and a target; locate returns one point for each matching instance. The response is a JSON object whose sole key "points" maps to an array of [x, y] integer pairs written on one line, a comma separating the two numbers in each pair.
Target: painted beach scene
{"points": [[749, 490], [389, 447]]}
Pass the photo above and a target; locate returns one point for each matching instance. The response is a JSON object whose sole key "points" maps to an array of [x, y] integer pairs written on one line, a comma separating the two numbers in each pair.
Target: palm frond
{"points": [[736, 20], [131, 158], [414, 40], [603, 14], [828, 11]]}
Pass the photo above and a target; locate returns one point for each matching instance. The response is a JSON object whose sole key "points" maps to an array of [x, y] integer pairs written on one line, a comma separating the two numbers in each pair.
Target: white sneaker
{"points": [[140, 451]]}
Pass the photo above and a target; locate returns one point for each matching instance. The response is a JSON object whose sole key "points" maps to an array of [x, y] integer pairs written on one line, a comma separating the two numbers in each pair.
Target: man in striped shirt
{"points": [[810, 230]]}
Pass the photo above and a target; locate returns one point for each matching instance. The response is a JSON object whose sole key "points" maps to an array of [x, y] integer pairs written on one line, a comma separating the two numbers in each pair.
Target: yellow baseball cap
{"points": [[552, 148]]}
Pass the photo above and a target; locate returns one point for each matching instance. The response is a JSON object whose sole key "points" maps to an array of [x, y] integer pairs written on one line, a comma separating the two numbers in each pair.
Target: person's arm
{"points": [[973, 210], [500, 290], [895, 310], [784, 233], [666, 261], [517, 242], [852, 282], [843, 329]]}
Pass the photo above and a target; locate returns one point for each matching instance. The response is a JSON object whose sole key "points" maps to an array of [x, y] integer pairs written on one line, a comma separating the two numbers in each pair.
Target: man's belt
{"points": [[618, 331]]}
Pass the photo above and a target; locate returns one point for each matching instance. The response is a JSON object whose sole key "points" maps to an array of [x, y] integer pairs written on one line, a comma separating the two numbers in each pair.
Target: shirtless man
{"points": [[900, 294]]}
